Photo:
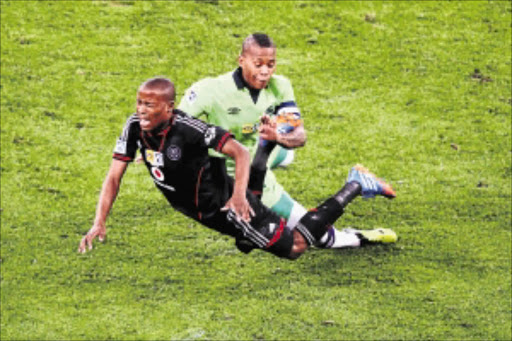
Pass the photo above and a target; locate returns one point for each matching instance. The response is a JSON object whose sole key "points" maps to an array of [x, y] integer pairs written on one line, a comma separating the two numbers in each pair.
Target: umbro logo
{"points": [[234, 111]]}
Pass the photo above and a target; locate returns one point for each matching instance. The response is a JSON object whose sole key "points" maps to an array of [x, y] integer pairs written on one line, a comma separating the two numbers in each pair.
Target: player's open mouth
{"points": [[144, 123], [262, 83]]}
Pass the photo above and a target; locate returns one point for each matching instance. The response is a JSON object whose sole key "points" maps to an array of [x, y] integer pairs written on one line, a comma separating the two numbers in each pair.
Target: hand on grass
{"points": [[96, 231]]}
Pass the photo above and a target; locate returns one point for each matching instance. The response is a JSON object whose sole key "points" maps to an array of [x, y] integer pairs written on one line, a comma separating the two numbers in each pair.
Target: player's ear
{"points": [[240, 60], [170, 106]]}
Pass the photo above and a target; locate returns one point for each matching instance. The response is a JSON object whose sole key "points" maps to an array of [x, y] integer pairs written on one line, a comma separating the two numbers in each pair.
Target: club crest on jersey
{"points": [[120, 147], [157, 173], [209, 135], [155, 159], [173, 153]]}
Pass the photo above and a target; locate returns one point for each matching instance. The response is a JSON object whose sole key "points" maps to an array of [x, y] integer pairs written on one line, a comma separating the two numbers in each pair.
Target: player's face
{"points": [[152, 109], [258, 64]]}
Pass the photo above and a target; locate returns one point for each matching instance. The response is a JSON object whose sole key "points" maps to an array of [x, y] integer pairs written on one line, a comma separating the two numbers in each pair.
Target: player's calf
{"points": [[259, 167], [314, 224]]}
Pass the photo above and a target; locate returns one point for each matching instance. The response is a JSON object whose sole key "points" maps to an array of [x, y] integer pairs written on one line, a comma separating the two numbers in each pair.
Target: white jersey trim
{"points": [[193, 123]]}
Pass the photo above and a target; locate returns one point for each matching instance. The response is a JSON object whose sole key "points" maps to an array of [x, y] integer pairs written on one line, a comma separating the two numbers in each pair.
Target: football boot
{"points": [[370, 184], [379, 235]]}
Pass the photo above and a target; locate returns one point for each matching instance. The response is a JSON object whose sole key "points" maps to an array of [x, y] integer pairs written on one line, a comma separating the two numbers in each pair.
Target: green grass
{"points": [[389, 84]]}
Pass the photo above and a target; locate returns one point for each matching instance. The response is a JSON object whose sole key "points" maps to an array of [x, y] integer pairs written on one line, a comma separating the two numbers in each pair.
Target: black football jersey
{"points": [[177, 160]]}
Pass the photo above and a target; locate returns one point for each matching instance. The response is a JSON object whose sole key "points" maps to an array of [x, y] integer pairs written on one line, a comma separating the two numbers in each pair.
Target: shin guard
{"points": [[256, 181], [317, 221], [259, 167]]}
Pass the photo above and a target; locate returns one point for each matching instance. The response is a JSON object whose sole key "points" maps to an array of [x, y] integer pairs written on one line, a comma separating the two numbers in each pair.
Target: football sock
{"points": [[290, 156], [350, 191], [256, 181], [280, 157], [259, 167], [335, 239], [317, 222], [262, 153]]}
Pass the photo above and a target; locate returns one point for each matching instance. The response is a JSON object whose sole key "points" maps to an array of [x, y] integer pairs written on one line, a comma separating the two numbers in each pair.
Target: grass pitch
{"points": [[419, 92]]}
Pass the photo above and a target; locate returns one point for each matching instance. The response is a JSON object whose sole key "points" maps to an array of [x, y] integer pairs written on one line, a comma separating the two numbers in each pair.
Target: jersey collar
{"points": [[239, 79], [163, 128]]}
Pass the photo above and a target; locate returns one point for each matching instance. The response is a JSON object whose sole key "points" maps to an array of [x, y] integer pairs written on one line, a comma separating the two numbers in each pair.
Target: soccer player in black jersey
{"points": [[174, 147]]}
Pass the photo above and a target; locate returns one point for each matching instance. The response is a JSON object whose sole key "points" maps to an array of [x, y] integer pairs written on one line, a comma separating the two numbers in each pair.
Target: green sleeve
{"points": [[196, 102]]}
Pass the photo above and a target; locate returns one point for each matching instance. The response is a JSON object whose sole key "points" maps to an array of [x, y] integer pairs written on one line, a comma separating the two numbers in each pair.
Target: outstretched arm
{"points": [[238, 201], [107, 197]]}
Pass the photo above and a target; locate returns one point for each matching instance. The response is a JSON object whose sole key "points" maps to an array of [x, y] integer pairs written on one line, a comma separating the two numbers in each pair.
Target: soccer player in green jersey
{"points": [[236, 101]]}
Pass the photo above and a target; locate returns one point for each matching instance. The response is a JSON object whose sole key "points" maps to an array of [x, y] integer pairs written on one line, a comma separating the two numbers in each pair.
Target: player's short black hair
{"points": [[162, 85], [259, 39]]}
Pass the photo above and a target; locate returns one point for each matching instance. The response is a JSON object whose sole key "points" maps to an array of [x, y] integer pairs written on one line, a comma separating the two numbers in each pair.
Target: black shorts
{"points": [[266, 231]]}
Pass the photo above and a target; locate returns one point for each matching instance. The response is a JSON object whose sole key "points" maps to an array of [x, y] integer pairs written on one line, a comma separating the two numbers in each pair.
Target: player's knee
{"points": [[299, 246]]}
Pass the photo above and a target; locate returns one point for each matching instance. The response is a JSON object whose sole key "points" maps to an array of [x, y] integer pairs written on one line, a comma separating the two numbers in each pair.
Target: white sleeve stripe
{"points": [[248, 231], [126, 130], [190, 124], [198, 125]]}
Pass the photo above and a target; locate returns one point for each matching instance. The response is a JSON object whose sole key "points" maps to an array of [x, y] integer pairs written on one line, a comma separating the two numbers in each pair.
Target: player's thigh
{"points": [[277, 236], [280, 157], [272, 190], [279, 201]]}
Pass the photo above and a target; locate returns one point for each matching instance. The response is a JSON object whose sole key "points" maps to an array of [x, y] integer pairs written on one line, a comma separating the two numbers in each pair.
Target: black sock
{"points": [[348, 193], [262, 154], [259, 167], [256, 181], [314, 224]]}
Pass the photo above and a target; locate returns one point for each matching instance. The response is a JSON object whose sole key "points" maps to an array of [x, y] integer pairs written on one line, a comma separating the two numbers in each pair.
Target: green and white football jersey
{"points": [[227, 102]]}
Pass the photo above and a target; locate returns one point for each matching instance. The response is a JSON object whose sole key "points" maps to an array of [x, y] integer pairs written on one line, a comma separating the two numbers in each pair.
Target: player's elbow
{"points": [[304, 137], [303, 141], [301, 137], [243, 154], [236, 151]]}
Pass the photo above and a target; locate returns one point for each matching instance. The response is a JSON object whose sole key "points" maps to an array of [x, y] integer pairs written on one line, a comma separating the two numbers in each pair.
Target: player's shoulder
{"points": [[279, 83], [186, 122], [213, 83], [133, 121], [281, 87], [203, 92], [131, 127], [133, 118]]}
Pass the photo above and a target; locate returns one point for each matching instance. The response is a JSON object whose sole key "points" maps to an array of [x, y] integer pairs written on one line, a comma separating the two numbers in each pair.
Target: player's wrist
{"points": [[238, 193]]}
